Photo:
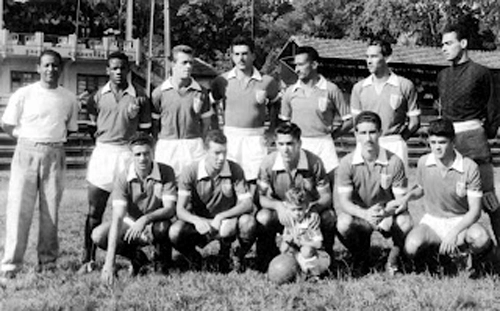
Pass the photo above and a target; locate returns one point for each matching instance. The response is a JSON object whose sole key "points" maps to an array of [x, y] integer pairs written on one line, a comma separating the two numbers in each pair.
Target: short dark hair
{"points": [[312, 54], [243, 40], [186, 49], [141, 139], [118, 55], [216, 136], [52, 53], [460, 30], [441, 127], [288, 128], [369, 117], [385, 46], [297, 196]]}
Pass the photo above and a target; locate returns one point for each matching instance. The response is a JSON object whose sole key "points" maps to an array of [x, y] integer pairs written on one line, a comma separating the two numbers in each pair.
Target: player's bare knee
{"points": [[177, 231], [99, 236], [413, 243], [228, 228], [265, 217], [308, 251], [161, 230], [344, 223], [404, 222], [247, 226], [476, 237]]}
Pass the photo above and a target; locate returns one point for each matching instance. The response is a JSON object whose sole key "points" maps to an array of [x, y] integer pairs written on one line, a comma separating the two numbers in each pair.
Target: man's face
{"points": [[143, 157], [117, 71], [288, 147], [441, 146], [49, 69], [242, 57], [452, 47], [367, 135], [304, 67], [216, 155], [375, 61], [182, 66]]}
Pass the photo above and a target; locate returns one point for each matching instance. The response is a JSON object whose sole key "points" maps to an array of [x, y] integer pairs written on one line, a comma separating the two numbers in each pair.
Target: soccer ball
{"points": [[283, 269]]}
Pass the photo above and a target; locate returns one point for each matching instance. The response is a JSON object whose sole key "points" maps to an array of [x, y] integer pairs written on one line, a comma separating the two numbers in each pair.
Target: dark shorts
{"points": [[474, 144]]}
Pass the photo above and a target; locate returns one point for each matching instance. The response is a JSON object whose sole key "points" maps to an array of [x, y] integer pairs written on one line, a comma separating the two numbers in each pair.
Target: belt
{"points": [[41, 143]]}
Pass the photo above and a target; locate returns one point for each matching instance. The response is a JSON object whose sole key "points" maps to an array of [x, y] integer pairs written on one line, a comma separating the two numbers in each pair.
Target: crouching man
{"points": [[450, 185], [214, 203], [369, 179], [144, 197]]}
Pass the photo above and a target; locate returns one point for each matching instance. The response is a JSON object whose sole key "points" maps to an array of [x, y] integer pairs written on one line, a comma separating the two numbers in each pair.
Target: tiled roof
{"points": [[351, 49]]}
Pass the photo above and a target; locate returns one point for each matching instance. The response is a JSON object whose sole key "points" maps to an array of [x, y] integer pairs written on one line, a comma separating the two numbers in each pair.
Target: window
{"points": [[19, 79], [89, 82]]}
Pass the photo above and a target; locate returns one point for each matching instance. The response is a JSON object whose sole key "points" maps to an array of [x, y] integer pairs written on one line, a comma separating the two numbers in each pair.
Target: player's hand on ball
{"points": [[216, 222]]}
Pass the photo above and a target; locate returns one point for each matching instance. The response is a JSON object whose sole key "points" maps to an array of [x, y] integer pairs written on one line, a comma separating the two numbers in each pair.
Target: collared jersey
{"points": [[41, 114], [211, 196], [396, 101], [310, 175], [314, 109], [241, 107], [446, 189], [180, 111], [466, 92], [374, 183], [116, 118], [143, 197]]}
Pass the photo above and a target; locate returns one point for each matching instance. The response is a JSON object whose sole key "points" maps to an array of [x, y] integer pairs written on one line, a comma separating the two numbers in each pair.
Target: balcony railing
{"points": [[19, 44]]}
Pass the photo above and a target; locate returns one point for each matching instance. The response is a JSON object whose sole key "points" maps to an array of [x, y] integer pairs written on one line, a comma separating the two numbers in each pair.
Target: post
{"points": [[166, 31], [130, 20], [150, 48]]}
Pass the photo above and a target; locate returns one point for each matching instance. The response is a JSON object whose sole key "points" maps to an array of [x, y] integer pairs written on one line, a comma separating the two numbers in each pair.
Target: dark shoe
{"points": [[8, 275], [46, 267], [87, 267], [138, 262]]}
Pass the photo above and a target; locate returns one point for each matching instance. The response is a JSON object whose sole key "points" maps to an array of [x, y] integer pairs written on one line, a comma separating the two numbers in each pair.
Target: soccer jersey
{"points": [[242, 105], [211, 196], [371, 184], [396, 101], [143, 197], [314, 109], [41, 114], [117, 119], [180, 111], [309, 174], [446, 189]]}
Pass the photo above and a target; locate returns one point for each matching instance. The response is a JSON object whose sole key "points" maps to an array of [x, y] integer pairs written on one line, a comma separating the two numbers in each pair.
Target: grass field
{"points": [[64, 290]]}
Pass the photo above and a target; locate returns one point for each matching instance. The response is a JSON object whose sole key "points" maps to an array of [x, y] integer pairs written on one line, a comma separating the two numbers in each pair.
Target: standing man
{"points": [[40, 116], [391, 96], [288, 167], [369, 178], [246, 95], [451, 187], [214, 203], [117, 111], [313, 103], [467, 98], [144, 197], [181, 114]]}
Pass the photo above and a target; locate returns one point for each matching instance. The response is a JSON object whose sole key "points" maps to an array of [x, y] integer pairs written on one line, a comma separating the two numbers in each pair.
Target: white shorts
{"points": [[324, 148], [105, 162], [396, 145], [178, 153], [316, 265], [442, 226], [247, 148]]}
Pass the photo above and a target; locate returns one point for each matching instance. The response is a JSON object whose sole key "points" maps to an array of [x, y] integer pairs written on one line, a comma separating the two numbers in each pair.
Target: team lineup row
{"points": [[190, 194]]}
